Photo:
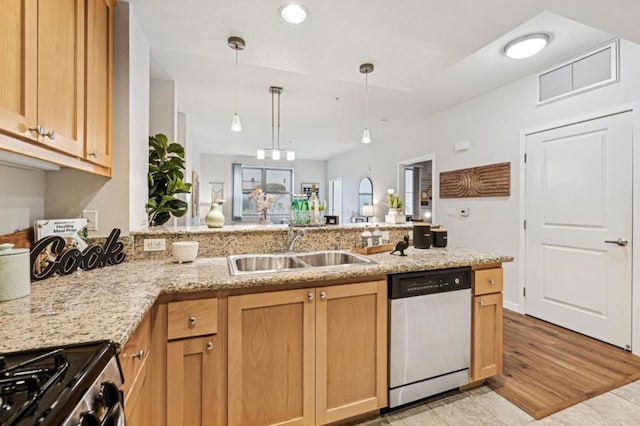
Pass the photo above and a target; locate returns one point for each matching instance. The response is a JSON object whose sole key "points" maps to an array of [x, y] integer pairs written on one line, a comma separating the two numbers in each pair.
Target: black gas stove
{"points": [[69, 385]]}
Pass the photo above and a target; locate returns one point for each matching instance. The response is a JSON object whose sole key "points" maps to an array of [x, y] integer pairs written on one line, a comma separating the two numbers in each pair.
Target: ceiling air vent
{"points": [[588, 71]]}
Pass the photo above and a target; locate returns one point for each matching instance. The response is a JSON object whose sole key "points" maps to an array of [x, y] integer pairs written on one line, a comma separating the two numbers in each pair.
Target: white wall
{"points": [[120, 200], [492, 123], [192, 164], [163, 108], [21, 198], [217, 168]]}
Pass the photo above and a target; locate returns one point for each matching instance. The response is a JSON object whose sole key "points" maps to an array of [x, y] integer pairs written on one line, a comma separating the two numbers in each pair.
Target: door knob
{"points": [[620, 241]]}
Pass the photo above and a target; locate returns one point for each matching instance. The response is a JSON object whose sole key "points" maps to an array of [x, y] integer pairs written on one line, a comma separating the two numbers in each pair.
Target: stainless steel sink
{"points": [[332, 258], [259, 263], [252, 263]]}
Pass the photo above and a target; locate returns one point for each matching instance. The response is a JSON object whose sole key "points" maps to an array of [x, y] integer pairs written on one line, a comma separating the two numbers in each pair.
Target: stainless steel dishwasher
{"points": [[429, 333]]}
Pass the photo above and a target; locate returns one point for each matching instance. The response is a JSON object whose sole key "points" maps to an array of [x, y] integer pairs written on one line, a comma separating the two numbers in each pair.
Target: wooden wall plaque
{"points": [[493, 180]]}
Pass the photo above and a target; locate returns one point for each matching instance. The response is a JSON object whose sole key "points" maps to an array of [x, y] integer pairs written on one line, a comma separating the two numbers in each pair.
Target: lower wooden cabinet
{"points": [[309, 356], [192, 381], [137, 405], [487, 330]]}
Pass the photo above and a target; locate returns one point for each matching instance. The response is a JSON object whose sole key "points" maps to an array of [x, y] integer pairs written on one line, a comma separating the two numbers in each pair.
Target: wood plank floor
{"points": [[548, 368]]}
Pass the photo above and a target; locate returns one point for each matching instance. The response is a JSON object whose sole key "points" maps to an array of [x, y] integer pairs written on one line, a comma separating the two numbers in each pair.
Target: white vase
{"points": [[215, 218], [395, 212]]}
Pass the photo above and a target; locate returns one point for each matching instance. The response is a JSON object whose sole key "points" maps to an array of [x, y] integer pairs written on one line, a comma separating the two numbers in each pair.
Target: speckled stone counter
{"points": [[109, 303]]}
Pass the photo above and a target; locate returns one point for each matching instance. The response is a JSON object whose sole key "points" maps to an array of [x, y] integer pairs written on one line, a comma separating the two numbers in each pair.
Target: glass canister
{"points": [[304, 211], [295, 209]]}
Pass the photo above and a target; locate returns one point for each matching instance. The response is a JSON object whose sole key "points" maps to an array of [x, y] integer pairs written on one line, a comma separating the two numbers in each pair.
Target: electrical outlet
{"points": [[157, 244], [464, 212], [92, 219]]}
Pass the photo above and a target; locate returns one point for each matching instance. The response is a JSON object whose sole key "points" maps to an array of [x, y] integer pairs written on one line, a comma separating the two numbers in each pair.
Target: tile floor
{"points": [[482, 406]]}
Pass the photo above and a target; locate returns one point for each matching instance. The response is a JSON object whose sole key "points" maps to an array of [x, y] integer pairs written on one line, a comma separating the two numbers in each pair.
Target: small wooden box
{"points": [[373, 249]]}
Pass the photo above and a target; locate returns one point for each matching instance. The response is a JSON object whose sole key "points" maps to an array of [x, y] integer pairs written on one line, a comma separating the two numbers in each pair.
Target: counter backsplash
{"points": [[241, 239]]}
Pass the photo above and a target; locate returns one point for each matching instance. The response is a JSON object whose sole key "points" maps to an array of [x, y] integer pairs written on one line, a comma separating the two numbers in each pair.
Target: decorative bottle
{"points": [[215, 217]]}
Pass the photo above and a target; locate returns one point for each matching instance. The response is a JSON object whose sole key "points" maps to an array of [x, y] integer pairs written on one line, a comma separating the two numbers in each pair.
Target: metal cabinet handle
{"points": [[481, 302], [93, 154], [620, 241], [139, 355], [38, 129], [310, 296], [492, 281], [209, 346], [193, 320], [323, 295], [51, 134]]}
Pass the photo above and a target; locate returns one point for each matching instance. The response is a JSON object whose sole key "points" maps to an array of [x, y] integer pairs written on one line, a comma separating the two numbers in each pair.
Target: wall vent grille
{"points": [[591, 70]]}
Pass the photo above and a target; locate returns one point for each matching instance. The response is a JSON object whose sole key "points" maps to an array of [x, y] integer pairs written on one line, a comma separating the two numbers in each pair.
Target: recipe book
{"points": [[74, 232]]}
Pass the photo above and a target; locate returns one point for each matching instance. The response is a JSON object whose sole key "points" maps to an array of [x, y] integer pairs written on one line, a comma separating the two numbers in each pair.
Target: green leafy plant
{"points": [[166, 172], [394, 201]]}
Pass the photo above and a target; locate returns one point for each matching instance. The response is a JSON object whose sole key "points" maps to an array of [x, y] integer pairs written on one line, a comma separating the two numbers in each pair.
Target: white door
{"points": [[578, 197]]}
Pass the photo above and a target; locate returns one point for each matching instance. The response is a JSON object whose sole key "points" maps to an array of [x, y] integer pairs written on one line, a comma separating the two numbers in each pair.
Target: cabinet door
{"points": [[351, 339], [138, 401], [18, 67], [271, 358], [99, 57], [191, 381], [487, 336], [61, 74]]}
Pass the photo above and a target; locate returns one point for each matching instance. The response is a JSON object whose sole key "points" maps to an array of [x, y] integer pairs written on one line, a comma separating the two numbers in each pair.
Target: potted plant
{"points": [[166, 172], [395, 203]]}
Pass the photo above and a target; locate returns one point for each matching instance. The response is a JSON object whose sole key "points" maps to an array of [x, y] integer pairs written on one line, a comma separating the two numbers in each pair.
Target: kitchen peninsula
{"points": [[160, 313]]}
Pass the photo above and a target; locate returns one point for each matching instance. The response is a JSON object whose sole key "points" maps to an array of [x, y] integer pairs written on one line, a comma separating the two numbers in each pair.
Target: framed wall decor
{"points": [[493, 180], [306, 188]]}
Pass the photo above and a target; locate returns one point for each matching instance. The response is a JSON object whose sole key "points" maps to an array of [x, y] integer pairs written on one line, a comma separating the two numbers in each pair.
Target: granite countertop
{"points": [[253, 228], [109, 303]]}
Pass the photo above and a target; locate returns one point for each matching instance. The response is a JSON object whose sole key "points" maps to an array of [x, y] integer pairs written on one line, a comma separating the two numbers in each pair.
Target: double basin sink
{"points": [[257, 263]]}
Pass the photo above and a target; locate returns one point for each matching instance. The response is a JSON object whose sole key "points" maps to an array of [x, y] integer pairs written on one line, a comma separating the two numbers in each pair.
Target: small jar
{"points": [[376, 237], [365, 237]]}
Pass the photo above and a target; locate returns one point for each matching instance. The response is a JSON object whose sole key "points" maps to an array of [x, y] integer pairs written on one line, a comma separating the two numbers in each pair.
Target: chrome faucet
{"points": [[293, 234]]}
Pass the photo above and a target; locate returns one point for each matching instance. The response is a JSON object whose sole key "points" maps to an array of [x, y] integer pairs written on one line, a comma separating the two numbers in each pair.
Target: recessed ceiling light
{"points": [[526, 46], [293, 13]]}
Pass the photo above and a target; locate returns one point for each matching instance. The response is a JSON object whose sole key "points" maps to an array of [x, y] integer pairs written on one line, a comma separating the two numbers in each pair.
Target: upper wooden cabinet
{"points": [[56, 86], [99, 75]]}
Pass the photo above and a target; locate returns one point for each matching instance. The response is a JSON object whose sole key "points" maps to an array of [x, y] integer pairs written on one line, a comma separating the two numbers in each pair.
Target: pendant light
{"points": [[366, 69], [236, 43], [276, 153]]}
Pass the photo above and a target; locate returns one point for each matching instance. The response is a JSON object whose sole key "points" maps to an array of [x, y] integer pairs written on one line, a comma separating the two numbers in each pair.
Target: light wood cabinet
{"points": [[309, 356], [191, 381], [192, 363], [487, 324], [56, 86], [99, 84], [135, 360]]}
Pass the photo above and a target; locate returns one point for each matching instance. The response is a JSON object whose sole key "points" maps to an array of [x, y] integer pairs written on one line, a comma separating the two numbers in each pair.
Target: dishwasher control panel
{"points": [[413, 284]]}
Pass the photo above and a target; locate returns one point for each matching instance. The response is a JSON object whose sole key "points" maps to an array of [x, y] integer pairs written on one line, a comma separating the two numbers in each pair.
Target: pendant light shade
{"points": [[236, 43], [236, 124], [366, 69], [366, 136]]}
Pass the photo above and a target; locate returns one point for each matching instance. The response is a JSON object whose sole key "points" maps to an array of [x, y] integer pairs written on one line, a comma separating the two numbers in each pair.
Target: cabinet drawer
{"points": [[189, 318], [135, 352], [487, 281]]}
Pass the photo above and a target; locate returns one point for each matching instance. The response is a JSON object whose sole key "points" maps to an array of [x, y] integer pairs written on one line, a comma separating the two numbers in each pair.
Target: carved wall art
{"points": [[493, 180]]}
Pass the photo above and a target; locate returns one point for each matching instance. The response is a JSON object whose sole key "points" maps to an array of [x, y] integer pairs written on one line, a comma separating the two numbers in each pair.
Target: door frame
{"points": [[634, 109], [434, 178]]}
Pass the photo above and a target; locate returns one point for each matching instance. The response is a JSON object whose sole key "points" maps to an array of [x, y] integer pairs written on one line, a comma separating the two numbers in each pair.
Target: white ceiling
{"points": [[429, 55]]}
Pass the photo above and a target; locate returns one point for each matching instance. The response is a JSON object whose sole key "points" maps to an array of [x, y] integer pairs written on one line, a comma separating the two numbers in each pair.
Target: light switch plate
{"points": [[92, 219], [451, 211]]}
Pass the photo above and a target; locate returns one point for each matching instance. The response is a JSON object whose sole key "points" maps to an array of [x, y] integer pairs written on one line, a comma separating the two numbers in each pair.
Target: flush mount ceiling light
{"points": [[293, 13], [236, 43], [366, 69], [275, 151], [526, 46]]}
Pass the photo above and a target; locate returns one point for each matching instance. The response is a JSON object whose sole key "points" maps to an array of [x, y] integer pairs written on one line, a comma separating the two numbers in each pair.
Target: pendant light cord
{"points": [[278, 120], [237, 80], [273, 129], [366, 99]]}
